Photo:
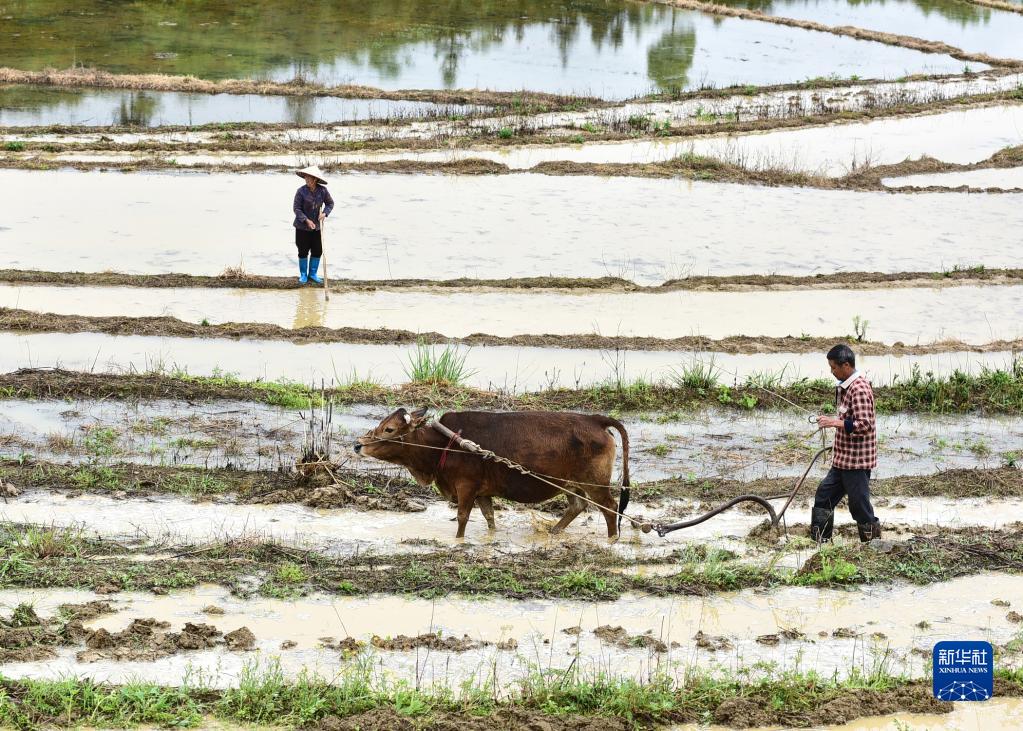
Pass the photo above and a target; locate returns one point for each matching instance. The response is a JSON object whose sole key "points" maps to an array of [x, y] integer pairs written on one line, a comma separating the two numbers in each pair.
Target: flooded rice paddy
{"points": [[699, 444], [997, 178], [609, 49], [137, 482], [748, 104], [22, 106], [961, 136], [971, 314], [406, 226], [538, 627], [341, 532], [966, 26], [508, 368], [832, 151]]}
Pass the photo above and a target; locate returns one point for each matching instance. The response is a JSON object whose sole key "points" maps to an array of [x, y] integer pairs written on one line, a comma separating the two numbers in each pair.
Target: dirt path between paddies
{"points": [[83, 77], [233, 278], [891, 39], [998, 5], [42, 322], [992, 393]]}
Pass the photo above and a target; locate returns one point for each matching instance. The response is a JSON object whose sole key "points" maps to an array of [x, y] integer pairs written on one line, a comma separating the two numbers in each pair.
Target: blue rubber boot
{"points": [[302, 264], [314, 264]]}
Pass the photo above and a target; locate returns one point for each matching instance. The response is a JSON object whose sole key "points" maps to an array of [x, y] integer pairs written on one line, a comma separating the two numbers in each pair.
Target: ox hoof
{"points": [[613, 539], [646, 527]]}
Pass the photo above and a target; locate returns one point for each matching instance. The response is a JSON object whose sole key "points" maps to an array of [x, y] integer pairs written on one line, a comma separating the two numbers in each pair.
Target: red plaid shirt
{"points": [[856, 449]]}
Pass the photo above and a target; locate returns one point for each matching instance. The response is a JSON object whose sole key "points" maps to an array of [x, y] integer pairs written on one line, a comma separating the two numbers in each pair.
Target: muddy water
{"points": [[970, 314], [511, 369], [611, 49], [701, 444], [740, 616], [832, 150], [519, 225], [345, 532], [1002, 178], [22, 106], [969, 27]]}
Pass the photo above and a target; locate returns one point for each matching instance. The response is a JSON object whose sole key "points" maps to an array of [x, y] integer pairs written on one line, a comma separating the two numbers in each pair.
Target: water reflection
{"points": [[610, 48], [961, 24], [26, 106]]}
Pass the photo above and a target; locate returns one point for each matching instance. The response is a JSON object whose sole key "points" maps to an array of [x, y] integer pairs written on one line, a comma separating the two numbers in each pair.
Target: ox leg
{"points": [[610, 510], [466, 499], [575, 506], [486, 506]]}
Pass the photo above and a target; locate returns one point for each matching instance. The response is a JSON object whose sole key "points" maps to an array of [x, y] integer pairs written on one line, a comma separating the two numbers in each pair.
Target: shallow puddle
{"points": [[1001, 178], [965, 137], [970, 314], [538, 626], [408, 226], [611, 49], [24, 106], [347, 532], [970, 27], [508, 368], [694, 445]]}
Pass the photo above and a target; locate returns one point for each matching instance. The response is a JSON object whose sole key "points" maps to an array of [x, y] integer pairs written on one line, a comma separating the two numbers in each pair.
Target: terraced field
{"points": [[662, 211]]}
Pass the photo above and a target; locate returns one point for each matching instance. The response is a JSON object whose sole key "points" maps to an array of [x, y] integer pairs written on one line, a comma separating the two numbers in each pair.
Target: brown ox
{"points": [[576, 450]]}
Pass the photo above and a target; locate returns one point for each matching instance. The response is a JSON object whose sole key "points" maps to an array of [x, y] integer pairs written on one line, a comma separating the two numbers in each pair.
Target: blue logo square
{"points": [[963, 671]]}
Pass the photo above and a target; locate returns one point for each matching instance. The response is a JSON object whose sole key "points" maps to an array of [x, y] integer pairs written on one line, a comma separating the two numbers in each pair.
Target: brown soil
{"points": [[711, 643], [756, 709], [437, 641], [25, 637], [26, 321], [784, 634], [88, 610], [355, 489], [511, 719], [146, 640], [619, 637], [890, 39], [84, 77], [341, 497], [961, 483], [729, 283]]}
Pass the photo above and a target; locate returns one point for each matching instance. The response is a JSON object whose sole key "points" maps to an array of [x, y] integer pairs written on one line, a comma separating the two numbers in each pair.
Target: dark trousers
{"points": [[839, 483], [308, 242]]}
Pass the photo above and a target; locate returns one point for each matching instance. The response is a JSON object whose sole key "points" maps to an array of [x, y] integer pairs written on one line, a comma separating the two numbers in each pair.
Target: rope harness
{"points": [[470, 447]]}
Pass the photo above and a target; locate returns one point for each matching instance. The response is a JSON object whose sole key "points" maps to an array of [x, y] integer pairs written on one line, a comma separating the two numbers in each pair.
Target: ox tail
{"points": [[623, 496]]}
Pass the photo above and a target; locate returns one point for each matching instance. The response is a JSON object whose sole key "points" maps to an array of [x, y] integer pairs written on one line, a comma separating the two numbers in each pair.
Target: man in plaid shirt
{"points": [[855, 453]]}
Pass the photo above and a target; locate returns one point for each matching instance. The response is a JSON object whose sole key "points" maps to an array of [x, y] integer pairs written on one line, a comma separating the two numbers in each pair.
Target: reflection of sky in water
{"points": [[28, 106], [969, 27], [597, 48], [409, 226], [689, 51]]}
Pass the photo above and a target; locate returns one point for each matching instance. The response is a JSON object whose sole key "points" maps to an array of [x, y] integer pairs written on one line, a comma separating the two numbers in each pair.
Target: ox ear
{"points": [[418, 416]]}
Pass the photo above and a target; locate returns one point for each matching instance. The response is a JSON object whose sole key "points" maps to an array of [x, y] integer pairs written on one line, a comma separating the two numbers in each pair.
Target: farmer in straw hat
{"points": [[312, 205]]}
